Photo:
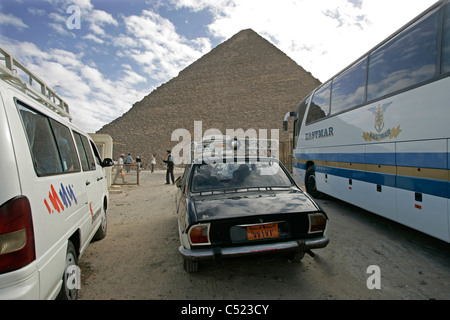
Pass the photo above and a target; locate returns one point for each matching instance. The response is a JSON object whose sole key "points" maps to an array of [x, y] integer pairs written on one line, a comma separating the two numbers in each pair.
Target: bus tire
{"points": [[310, 183]]}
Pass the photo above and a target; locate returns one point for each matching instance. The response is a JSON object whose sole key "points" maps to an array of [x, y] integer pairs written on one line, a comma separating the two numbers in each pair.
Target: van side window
{"points": [[406, 60], [86, 157], [83, 158], [50, 143], [87, 148], [98, 159], [66, 147]]}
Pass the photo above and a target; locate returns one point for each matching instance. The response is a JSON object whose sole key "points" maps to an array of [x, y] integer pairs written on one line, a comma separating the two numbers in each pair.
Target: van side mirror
{"points": [[179, 182], [107, 162]]}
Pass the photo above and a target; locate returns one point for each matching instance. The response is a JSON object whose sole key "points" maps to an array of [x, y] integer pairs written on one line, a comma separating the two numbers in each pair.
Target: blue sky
{"points": [[112, 53]]}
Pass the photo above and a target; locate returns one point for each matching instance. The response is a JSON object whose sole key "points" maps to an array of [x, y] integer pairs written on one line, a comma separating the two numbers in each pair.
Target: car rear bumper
{"points": [[289, 246]]}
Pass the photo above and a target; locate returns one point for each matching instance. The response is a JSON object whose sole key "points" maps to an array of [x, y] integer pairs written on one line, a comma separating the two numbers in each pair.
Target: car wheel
{"points": [[190, 266], [296, 257], [310, 183], [69, 289]]}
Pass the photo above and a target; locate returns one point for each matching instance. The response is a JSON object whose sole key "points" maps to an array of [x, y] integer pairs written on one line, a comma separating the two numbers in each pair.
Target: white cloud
{"points": [[83, 4], [98, 20], [9, 19], [146, 49], [93, 99], [94, 38], [153, 43], [36, 12], [102, 17], [322, 36], [131, 77]]}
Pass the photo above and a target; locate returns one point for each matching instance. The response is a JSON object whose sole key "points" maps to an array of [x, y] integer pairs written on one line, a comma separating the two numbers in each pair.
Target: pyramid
{"points": [[243, 83]]}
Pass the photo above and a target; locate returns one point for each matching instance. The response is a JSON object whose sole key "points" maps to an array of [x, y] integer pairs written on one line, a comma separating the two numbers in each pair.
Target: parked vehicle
{"points": [[257, 208], [53, 195], [376, 135]]}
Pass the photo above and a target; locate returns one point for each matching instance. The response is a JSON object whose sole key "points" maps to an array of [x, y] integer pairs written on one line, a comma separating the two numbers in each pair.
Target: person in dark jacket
{"points": [[170, 166]]}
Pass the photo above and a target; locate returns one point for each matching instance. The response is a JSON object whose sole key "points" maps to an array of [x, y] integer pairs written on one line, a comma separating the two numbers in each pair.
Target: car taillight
{"points": [[199, 234], [317, 222], [16, 235]]}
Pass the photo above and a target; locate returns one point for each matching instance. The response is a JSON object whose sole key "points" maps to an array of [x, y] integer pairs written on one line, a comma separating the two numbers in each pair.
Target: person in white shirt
{"points": [[119, 168], [153, 162]]}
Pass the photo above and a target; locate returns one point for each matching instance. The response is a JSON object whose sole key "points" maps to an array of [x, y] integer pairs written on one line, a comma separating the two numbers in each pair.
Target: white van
{"points": [[53, 190]]}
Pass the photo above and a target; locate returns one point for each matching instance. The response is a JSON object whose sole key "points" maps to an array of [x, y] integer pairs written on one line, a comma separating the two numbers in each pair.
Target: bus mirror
{"points": [[286, 117]]}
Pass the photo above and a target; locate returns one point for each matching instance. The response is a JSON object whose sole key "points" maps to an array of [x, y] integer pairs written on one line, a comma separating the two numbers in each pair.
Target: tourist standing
{"points": [[170, 165], [153, 162], [119, 169]]}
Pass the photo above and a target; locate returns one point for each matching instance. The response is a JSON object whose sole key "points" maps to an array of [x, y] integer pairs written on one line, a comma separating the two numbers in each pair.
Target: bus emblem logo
{"points": [[379, 118], [392, 133]]}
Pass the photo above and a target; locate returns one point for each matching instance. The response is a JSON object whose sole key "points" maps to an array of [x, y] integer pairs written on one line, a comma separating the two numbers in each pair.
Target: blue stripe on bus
{"points": [[387, 159], [437, 188], [428, 160], [433, 160]]}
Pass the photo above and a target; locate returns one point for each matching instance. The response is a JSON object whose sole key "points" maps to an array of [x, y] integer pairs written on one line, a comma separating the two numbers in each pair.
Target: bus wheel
{"points": [[310, 183]]}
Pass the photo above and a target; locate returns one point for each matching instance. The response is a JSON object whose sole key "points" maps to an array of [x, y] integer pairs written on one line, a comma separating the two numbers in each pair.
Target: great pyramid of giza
{"points": [[243, 83]]}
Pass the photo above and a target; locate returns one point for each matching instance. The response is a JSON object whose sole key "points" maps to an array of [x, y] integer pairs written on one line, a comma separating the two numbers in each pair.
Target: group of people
{"points": [[128, 160]]}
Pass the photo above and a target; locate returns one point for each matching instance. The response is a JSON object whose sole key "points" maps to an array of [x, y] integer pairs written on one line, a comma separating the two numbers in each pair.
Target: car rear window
{"points": [[208, 177]]}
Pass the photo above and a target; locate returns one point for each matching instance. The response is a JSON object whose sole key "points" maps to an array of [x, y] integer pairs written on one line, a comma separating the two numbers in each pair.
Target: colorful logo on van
{"points": [[379, 125], [58, 200]]}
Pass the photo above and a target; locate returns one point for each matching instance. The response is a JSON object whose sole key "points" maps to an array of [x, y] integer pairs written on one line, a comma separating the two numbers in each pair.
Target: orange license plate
{"points": [[263, 231]]}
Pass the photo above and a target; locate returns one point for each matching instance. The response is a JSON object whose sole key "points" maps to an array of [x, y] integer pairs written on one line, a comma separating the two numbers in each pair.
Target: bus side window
{"points": [[446, 41], [349, 88], [406, 60], [301, 109], [320, 105]]}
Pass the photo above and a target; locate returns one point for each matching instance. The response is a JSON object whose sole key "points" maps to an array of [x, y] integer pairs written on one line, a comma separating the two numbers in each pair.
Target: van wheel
{"points": [[101, 231], [69, 287], [310, 183]]}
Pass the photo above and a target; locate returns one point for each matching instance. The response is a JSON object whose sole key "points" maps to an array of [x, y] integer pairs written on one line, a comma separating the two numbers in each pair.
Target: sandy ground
{"points": [[139, 258]]}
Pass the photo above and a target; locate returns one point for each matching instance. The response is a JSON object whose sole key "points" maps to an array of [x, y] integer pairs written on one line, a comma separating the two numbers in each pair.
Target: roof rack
{"points": [[42, 94], [223, 146]]}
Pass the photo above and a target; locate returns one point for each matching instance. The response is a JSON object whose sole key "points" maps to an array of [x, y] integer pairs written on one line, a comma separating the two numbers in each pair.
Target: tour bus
{"points": [[53, 190], [377, 134]]}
